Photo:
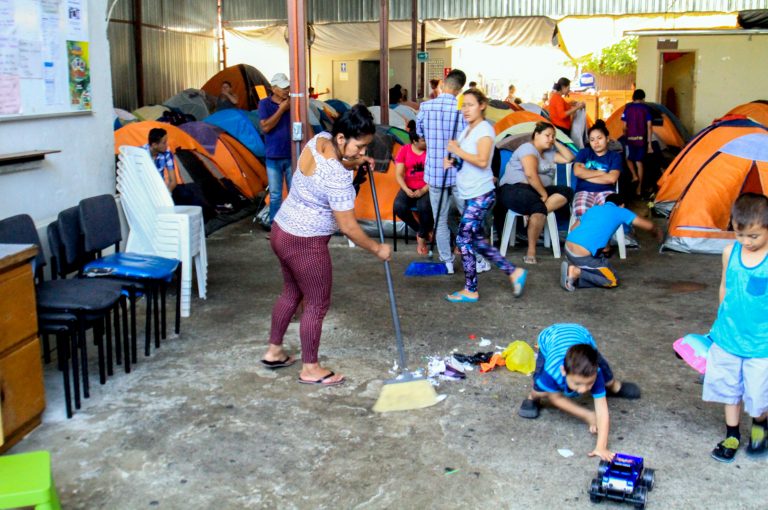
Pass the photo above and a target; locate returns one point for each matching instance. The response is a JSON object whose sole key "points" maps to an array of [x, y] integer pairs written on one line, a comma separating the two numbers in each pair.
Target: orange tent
{"points": [[728, 158], [670, 132], [516, 118], [244, 79], [386, 190], [231, 158], [756, 110]]}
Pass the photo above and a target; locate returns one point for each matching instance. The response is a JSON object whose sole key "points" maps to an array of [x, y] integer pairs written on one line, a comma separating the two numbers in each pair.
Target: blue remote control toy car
{"points": [[623, 479]]}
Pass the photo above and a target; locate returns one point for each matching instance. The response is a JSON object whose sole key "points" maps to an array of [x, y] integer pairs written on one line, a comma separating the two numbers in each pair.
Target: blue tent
{"points": [[237, 123], [338, 105]]}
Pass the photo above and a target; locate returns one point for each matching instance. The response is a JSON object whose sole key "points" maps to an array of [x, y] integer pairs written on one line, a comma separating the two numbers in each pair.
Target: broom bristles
{"points": [[405, 395]]}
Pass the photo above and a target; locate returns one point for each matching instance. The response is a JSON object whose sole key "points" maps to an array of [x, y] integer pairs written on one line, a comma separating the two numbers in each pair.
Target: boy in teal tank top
{"points": [[737, 366]]}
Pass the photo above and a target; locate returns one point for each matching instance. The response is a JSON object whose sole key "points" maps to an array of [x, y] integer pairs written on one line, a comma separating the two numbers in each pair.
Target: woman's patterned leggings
{"points": [[470, 239]]}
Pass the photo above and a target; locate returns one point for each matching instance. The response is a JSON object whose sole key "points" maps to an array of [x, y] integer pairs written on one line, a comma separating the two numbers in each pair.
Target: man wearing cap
{"points": [[276, 125]]}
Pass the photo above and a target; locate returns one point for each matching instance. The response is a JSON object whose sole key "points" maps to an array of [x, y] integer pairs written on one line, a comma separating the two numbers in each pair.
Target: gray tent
{"points": [[191, 101]]}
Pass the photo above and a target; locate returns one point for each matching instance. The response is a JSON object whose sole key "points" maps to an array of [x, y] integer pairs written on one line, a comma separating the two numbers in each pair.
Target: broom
{"points": [[407, 391]]}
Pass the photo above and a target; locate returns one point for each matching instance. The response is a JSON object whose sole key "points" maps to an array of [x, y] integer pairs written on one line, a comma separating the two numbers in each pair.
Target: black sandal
{"points": [[726, 450], [287, 362]]}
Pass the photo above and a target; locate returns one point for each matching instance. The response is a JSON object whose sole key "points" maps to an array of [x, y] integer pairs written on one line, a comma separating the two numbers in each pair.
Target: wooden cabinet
{"points": [[22, 394]]}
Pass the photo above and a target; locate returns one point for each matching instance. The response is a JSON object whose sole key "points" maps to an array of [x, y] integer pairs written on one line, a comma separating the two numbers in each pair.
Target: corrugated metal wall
{"points": [[178, 46], [240, 13]]}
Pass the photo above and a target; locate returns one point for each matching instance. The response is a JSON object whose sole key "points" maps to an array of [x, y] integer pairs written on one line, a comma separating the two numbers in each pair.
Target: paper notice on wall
{"points": [[10, 94], [51, 30], [30, 58], [77, 22], [6, 14]]}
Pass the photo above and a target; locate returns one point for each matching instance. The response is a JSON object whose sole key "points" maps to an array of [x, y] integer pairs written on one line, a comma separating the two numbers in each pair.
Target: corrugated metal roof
{"points": [[250, 12], [123, 63]]}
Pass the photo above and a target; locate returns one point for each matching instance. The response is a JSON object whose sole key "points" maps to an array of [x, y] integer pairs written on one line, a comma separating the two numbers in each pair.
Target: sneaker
{"points": [[529, 409], [482, 265], [449, 267], [726, 450], [758, 441], [565, 282]]}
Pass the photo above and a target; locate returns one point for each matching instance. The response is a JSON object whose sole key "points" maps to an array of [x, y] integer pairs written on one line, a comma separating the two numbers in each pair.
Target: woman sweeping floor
{"points": [[321, 201]]}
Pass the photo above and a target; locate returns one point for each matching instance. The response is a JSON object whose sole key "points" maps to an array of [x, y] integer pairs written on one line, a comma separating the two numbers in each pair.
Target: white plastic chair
{"points": [[551, 236], [157, 227]]}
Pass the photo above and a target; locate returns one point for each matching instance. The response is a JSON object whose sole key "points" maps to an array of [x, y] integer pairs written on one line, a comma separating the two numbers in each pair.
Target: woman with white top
{"points": [[320, 202], [472, 154]]}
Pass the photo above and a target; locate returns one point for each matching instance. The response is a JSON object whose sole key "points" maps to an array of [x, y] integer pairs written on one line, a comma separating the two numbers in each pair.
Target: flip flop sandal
{"points": [[529, 409], [518, 286], [321, 381], [726, 450], [457, 297], [530, 260], [287, 362], [628, 390]]}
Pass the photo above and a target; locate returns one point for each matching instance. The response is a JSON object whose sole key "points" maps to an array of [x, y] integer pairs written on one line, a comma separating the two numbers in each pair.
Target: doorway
{"points": [[369, 82], [678, 85]]}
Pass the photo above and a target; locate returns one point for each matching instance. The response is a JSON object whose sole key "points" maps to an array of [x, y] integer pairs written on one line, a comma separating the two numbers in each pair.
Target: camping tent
{"points": [[338, 105], [395, 119], [406, 112], [234, 160], [666, 126], [244, 80], [517, 117], [121, 118], [152, 112], [756, 110], [192, 102], [237, 124], [323, 113], [700, 220], [695, 155]]}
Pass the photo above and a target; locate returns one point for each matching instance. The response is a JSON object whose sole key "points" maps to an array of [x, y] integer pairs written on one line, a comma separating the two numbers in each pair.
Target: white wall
{"points": [[730, 70], [85, 165]]}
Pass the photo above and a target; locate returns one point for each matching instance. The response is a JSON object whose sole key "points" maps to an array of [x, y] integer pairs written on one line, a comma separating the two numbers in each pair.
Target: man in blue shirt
{"points": [[438, 121], [275, 123], [568, 365], [585, 245]]}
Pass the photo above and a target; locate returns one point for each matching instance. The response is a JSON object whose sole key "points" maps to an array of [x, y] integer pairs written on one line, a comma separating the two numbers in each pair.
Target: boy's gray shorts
{"points": [[730, 379]]}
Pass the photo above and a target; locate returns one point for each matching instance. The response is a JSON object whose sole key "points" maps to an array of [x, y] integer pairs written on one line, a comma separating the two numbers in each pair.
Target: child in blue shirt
{"points": [[586, 264], [568, 365], [737, 364]]}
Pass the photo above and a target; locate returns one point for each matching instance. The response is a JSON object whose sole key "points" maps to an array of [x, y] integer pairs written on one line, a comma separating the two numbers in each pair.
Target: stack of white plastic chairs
{"points": [[157, 227]]}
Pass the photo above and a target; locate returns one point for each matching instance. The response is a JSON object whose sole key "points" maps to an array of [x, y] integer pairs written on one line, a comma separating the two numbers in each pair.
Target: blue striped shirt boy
{"points": [[554, 342]]}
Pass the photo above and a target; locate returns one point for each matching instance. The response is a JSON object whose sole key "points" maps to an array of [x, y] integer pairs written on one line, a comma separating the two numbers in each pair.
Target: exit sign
{"points": [[422, 56]]}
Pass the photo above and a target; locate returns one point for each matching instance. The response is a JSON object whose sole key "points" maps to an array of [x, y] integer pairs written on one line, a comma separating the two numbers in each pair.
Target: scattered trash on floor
{"points": [[497, 360], [450, 470], [484, 342], [519, 357], [565, 452]]}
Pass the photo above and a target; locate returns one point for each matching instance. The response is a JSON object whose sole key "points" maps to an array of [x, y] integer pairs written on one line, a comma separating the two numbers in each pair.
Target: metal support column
{"points": [[297, 52], [423, 66], [384, 60], [138, 52], [414, 37]]}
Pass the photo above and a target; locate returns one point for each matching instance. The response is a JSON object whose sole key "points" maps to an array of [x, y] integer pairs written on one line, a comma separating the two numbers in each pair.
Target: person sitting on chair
{"points": [[409, 173], [596, 169], [528, 185]]}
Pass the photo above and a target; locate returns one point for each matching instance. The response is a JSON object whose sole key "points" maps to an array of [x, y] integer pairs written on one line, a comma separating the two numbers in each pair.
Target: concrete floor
{"points": [[200, 424]]}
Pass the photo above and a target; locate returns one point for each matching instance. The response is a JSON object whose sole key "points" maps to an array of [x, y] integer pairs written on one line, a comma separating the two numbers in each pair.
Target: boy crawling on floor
{"points": [[569, 365]]}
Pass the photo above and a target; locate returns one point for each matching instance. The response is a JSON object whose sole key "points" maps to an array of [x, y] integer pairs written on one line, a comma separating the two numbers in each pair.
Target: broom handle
{"points": [[388, 272]]}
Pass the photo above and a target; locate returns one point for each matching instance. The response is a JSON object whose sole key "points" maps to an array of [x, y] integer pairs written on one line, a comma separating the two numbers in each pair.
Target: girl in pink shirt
{"points": [[409, 173]]}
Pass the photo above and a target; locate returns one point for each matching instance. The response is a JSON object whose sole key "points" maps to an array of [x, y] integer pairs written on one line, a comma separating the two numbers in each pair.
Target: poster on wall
{"points": [[79, 75], [10, 87], [77, 22]]}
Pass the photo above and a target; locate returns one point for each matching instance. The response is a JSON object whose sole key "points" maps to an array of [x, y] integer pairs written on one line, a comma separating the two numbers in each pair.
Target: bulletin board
{"points": [[44, 61]]}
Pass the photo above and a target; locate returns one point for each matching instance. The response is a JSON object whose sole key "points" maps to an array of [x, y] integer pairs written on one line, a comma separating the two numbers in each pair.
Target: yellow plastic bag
{"points": [[520, 357]]}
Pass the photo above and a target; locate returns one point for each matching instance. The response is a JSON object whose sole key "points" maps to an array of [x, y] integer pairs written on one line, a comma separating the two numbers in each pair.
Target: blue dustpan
{"points": [[423, 268]]}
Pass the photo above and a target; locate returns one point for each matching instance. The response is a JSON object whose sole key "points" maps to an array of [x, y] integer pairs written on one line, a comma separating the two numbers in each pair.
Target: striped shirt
{"points": [[438, 121], [163, 161], [554, 342]]}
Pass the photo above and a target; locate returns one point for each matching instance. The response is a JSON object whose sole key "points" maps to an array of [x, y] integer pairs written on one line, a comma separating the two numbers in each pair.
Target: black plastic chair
{"points": [[85, 300], [100, 225]]}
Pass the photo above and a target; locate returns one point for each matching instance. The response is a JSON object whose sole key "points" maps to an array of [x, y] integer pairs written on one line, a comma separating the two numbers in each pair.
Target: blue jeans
{"points": [[276, 169]]}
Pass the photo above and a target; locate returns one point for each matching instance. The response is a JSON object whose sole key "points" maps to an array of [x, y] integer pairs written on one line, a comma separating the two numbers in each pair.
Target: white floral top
{"points": [[308, 210]]}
